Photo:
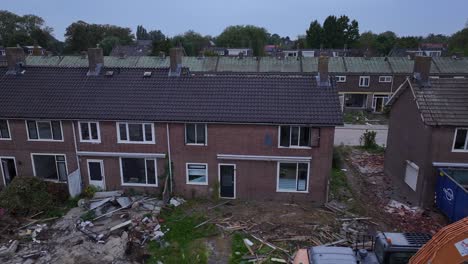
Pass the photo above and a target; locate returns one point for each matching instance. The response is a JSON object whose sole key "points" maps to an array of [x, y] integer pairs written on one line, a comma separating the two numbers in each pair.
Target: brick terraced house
{"points": [[247, 136]]}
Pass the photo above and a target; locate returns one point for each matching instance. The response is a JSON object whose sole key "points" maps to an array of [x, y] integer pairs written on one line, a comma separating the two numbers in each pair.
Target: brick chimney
{"points": [[422, 68], [323, 76], [15, 59], [96, 61], [175, 61]]}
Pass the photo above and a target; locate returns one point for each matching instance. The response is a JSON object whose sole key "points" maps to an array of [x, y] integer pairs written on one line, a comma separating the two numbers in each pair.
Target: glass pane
{"points": [[95, 171], [45, 131], [197, 173], [148, 132], [302, 177], [135, 132], [4, 133], [227, 176], [45, 167], [150, 171], [60, 158], [32, 130], [123, 131], [56, 130], [94, 131], [62, 171], [287, 176], [200, 133], [84, 131], [190, 133], [305, 137], [294, 136], [133, 170], [460, 139], [284, 136]]}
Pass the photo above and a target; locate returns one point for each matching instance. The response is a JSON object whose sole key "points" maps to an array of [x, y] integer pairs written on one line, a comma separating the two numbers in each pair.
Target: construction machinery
{"points": [[449, 245]]}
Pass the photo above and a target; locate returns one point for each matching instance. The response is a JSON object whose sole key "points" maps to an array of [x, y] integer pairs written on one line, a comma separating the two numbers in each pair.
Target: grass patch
{"points": [[377, 149], [182, 241], [338, 181], [238, 250]]}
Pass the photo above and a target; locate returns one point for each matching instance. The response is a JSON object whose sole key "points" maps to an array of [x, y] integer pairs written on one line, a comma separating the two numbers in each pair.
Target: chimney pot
{"points": [[422, 68], [323, 76], [175, 61], [96, 60], [15, 57]]}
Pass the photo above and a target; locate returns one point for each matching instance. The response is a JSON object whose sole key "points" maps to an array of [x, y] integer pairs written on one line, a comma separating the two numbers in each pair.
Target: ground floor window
{"points": [[138, 171], [50, 167], [379, 102], [197, 173], [293, 177], [355, 100]]}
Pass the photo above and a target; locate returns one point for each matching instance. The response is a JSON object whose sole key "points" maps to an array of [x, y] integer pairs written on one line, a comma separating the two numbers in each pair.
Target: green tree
{"points": [[459, 42], [163, 45], [314, 35], [439, 38], [244, 37], [156, 35], [141, 33], [408, 42], [108, 43], [192, 42]]}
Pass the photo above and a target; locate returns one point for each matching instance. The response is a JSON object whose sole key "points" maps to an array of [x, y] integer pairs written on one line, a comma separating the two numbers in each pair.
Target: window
{"points": [[293, 177], [135, 133], [4, 129], [197, 173], [50, 167], [44, 130], [89, 132], [411, 174], [340, 79], [195, 134], [138, 171], [385, 79], [364, 81], [298, 136], [460, 141]]}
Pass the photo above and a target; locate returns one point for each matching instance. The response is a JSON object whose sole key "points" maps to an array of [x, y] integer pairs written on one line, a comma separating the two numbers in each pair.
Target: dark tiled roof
{"points": [[444, 103], [67, 93]]}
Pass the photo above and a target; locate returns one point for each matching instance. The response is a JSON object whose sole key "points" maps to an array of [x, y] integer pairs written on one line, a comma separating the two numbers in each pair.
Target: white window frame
{"points": [[374, 100], [206, 134], [1, 168], [455, 137], [415, 167], [101, 162], [298, 135], [9, 130], [385, 79], [128, 141], [146, 173], [90, 140], [56, 167], [340, 78], [187, 173], [362, 83], [297, 175], [51, 131]]}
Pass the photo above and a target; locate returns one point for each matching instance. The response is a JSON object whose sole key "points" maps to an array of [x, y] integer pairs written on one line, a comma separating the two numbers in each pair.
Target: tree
{"points": [[163, 45], [459, 42], [80, 35], [433, 38], [408, 42], [156, 35], [141, 33], [108, 43], [192, 42], [244, 37], [314, 35]]}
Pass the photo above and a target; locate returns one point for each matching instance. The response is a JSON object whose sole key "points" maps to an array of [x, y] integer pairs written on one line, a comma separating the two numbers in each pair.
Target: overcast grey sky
{"points": [[287, 18]]}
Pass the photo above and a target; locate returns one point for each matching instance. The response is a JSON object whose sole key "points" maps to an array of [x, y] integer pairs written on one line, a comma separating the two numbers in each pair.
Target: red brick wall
{"points": [[255, 179]]}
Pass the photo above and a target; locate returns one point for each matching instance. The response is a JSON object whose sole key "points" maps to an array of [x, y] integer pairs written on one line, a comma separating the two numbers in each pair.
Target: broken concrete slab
{"points": [[94, 205], [124, 201], [101, 195], [10, 251], [121, 225]]}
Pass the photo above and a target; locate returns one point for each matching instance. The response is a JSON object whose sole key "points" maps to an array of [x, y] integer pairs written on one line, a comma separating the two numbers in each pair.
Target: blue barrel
{"points": [[451, 196]]}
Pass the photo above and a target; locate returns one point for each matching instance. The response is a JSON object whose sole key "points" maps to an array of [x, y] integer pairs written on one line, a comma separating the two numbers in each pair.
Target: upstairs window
{"points": [[195, 134], [299, 136], [460, 142], [364, 81], [89, 132], [385, 79], [4, 130], [340, 79], [135, 133], [44, 130]]}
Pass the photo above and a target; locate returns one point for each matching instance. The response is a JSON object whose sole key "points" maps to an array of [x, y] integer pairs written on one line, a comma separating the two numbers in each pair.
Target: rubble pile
{"points": [[104, 229]]}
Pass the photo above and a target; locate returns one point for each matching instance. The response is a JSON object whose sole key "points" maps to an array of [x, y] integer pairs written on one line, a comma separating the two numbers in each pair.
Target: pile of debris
{"points": [[109, 228]]}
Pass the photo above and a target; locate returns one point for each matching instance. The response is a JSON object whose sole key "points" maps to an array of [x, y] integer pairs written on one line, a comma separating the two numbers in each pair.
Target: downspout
{"points": [[76, 152], [169, 157]]}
